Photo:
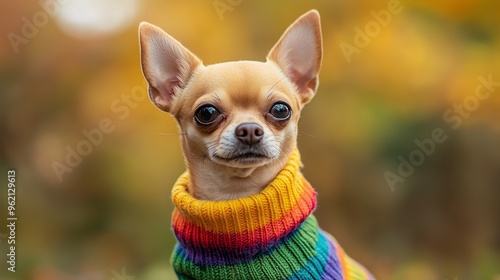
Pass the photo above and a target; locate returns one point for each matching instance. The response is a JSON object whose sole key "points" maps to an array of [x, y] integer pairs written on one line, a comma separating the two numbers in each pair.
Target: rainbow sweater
{"points": [[270, 235]]}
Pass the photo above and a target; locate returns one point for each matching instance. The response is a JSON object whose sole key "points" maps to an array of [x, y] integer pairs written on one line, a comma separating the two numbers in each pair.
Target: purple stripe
{"points": [[333, 269]]}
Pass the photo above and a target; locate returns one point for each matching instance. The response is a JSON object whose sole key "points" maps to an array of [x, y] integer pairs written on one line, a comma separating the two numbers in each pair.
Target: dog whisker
{"points": [[307, 134]]}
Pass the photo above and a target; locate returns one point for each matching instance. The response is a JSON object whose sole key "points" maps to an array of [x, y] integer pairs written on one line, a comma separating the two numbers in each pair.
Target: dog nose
{"points": [[249, 133]]}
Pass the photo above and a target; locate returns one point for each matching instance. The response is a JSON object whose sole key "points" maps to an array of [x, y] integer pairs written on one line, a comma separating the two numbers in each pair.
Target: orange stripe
{"points": [[343, 259], [189, 233]]}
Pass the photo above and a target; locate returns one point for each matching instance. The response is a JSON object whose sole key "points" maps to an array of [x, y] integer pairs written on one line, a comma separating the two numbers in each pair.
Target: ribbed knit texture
{"points": [[270, 235]]}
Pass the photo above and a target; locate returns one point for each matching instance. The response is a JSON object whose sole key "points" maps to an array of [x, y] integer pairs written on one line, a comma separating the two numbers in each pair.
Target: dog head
{"points": [[236, 118]]}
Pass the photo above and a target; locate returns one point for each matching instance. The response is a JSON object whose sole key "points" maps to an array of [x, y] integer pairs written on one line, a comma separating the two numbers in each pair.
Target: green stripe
{"points": [[315, 267], [283, 262]]}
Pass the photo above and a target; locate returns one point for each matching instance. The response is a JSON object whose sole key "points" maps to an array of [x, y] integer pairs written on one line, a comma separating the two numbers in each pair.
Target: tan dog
{"points": [[243, 209]]}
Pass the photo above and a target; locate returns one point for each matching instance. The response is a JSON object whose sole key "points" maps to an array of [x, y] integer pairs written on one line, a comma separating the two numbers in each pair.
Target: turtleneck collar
{"points": [[244, 226]]}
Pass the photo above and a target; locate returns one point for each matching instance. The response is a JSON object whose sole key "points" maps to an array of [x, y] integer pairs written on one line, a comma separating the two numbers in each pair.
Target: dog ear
{"points": [[166, 64], [299, 52]]}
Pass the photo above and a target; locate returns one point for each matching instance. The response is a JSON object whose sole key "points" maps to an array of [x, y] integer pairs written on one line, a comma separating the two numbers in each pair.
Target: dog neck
{"points": [[215, 182]]}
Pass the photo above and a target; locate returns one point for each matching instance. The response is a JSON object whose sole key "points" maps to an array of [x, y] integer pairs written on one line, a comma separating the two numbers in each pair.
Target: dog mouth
{"points": [[248, 157]]}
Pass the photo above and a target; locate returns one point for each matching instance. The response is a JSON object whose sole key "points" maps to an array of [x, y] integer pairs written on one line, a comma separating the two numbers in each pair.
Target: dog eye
{"points": [[206, 115], [280, 111]]}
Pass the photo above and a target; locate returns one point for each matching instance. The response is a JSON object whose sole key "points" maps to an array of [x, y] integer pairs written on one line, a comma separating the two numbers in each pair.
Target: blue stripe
{"points": [[325, 265]]}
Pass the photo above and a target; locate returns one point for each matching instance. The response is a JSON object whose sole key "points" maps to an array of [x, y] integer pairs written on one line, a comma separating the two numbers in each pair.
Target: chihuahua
{"points": [[238, 123]]}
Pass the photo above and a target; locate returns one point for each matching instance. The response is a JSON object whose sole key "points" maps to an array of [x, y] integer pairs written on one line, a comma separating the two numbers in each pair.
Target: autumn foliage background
{"points": [[111, 213]]}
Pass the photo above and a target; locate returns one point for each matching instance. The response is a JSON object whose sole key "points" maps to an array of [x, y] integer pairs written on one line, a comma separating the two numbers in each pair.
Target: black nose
{"points": [[249, 133]]}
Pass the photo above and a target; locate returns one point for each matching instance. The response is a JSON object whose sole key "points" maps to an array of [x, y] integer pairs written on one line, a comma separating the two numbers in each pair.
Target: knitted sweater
{"points": [[270, 235]]}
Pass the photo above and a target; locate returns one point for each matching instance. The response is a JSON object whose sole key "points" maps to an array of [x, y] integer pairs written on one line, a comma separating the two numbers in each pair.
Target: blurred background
{"points": [[95, 160]]}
